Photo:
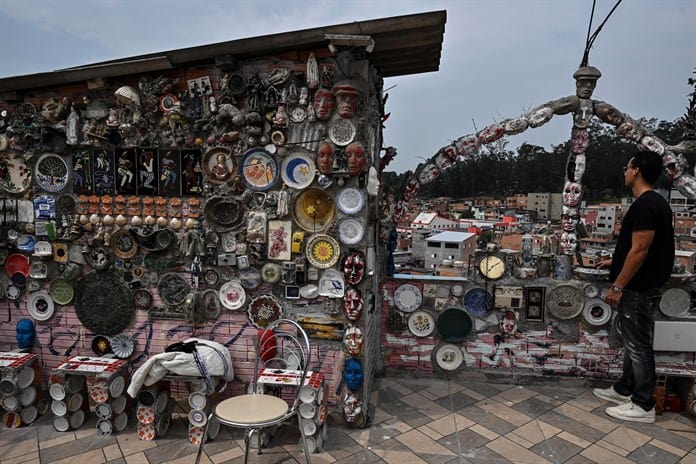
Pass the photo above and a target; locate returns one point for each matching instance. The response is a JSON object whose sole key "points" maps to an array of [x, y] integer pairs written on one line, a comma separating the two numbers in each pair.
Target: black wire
{"points": [[585, 54], [593, 37]]}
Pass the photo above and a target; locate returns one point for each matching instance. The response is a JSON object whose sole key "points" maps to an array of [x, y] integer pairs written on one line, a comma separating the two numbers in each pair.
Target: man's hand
{"points": [[605, 263]]}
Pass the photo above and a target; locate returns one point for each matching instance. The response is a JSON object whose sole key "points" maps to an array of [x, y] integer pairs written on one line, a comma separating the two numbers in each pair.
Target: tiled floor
{"points": [[414, 421]]}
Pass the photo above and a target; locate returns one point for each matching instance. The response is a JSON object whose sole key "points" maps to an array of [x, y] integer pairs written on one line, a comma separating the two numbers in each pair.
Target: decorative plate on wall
{"points": [[421, 323], [322, 251], [298, 170], [16, 176], [232, 295], [565, 302], [351, 231], [448, 356], [596, 312], [408, 298], [350, 200], [51, 173], [313, 210], [259, 169], [103, 303], [454, 324], [263, 310], [478, 302], [675, 302], [173, 289]]}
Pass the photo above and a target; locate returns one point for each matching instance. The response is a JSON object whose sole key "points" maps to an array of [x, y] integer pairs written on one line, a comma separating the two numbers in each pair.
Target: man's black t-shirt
{"points": [[650, 211]]}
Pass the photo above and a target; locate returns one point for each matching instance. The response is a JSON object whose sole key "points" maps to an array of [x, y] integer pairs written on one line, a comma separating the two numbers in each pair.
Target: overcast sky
{"points": [[500, 58]]}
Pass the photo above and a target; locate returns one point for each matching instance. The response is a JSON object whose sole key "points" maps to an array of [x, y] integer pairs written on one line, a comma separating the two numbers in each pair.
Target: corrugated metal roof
{"points": [[408, 44], [450, 236]]}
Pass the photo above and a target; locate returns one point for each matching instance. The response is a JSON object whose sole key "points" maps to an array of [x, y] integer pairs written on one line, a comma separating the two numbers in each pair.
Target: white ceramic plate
{"points": [[25, 377], [421, 323], [56, 391], [118, 405], [104, 427], [29, 414], [197, 400], [351, 231], [145, 414], [197, 417], [77, 419], [61, 423], [120, 422], [342, 132], [58, 408], [75, 402], [232, 295], [408, 298], [40, 305], [350, 200], [27, 396], [116, 386], [123, 346], [448, 356]]}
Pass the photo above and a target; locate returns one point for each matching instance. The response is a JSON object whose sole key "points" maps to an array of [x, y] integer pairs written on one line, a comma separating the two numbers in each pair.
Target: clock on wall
{"points": [[51, 173], [492, 267]]}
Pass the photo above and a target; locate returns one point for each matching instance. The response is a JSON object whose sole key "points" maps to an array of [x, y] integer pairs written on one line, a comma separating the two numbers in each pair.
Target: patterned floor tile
{"points": [[456, 401], [514, 395], [464, 442], [572, 426], [486, 419], [649, 454], [514, 452], [556, 449], [533, 407]]}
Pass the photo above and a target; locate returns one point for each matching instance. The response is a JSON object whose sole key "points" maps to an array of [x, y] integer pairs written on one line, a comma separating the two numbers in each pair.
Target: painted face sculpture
{"points": [[324, 102], [353, 340], [569, 219], [347, 99], [653, 144], [411, 189], [491, 133], [579, 140], [572, 192], [353, 304], [26, 333], [325, 157], [355, 157], [429, 173], [354, 267], [675, 165], [508, 322], [468, 145], [585, 87], [583, 115], [608, 113], [353, 373], [540, 116], [580, 162], [631, 130], [568, 243], [352, 407], [516, 125]]}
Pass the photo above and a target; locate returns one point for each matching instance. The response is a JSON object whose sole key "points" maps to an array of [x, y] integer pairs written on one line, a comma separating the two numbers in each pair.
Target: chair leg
{"points": [[205, 436], [304, 441], [247, 440]]}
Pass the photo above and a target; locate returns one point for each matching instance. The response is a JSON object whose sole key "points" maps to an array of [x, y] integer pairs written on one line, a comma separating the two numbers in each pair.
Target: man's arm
{"points": [[640, 243]]}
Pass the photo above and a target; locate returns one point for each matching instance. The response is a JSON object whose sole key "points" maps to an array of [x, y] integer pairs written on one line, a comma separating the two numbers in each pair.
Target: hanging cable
{"points": [[593, 37]]}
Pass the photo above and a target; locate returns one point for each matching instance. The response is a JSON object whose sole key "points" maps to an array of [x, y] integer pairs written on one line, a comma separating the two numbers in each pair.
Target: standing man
{"points": [[641, 264]]}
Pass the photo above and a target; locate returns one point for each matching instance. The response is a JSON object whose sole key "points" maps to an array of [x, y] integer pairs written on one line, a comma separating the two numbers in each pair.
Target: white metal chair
{"points": [[282, 345]]}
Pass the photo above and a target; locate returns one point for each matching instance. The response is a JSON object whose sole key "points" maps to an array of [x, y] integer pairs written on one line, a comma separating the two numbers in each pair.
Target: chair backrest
{"points": [[283, 344]]}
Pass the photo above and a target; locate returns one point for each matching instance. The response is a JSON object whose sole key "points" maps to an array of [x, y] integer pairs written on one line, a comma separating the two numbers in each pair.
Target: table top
{"points": [[289, 377], [15, 360], [86, 365]]}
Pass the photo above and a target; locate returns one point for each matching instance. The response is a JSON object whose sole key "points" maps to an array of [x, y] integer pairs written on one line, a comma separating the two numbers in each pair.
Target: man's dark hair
{"points": [[650, 165]]}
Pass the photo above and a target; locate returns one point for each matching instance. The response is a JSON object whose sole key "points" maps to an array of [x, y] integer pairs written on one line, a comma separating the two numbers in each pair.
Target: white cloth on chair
{"points": [[214, 356]]}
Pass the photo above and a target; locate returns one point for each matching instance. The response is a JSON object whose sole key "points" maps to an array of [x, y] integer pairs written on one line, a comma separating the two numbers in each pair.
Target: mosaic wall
{"points": [[203, 202]]}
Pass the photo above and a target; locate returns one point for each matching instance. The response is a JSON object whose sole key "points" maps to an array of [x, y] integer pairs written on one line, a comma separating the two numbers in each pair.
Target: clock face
{"points": [[492, 267], [52, 173]]}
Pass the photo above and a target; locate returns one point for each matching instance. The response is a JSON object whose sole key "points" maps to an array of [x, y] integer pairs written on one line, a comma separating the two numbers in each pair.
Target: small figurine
{"points": [[196, 272]]}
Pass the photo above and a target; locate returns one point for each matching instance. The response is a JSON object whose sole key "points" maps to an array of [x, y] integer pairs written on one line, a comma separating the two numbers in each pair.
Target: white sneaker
{"points": [[609, 394], [632, 412]]}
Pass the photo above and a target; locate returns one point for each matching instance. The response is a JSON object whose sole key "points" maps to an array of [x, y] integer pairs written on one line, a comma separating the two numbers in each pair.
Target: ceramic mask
{"points": [[527, 249], [572, 192], [353, 304], [675, 165], [354, 268], [491, 133], [569, 219], [26, 333], [355, 157], [608, 113], [515, 126], [443, 160], [631, 130], [540, 116], [653, 144], [353, 340], [353, 373], [583, 115], [429, 173], [411, 189], [508, 322], [580, 163], [346, 99], [325, 158], [324, 102], [568, 243], [579, 140], [352, 407], [468, 145]]}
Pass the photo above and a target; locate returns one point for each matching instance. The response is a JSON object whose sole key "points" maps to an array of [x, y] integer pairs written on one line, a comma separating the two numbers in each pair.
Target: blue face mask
{"points": [[26, 333], [353, 374]]}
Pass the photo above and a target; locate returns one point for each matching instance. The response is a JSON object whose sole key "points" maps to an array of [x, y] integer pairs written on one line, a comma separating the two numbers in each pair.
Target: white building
{"points": [[433, 221], [449, 247]]}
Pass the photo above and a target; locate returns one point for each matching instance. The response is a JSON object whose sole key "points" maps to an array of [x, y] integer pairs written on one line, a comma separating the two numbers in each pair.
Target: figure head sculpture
{"points": [[323, 103], [568, 243], [353, 373], [572, 192], [346, 98], [354, 267], [353, 304], [353, 340], [325, 157], [586, 80], [569, 219], [26, 333], [355, 158]]}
